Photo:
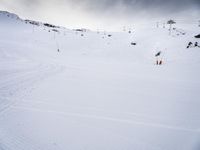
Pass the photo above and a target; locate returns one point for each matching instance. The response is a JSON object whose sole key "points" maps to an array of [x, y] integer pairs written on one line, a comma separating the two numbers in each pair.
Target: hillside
{"points": [[81, 89]]}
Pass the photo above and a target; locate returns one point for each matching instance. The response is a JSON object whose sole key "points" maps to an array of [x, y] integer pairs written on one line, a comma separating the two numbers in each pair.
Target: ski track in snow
{"points": [[154, 125], [15, 86], [22, 81]]}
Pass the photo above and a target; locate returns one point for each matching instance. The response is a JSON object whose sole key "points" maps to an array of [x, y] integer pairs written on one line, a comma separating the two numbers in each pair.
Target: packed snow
{"points": [[64, 89]]}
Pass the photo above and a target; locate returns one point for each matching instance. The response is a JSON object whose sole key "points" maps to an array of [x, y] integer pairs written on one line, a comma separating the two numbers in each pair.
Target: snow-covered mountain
{"points": [[5, 16], [81, 89]]}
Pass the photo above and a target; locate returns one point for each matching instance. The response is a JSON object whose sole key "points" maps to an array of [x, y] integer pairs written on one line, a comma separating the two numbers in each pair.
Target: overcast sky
{"points": [[106, 14]]}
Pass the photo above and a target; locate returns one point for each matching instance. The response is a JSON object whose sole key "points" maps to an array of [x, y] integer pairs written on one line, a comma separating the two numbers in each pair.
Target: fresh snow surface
{"points": [[98, 92]]}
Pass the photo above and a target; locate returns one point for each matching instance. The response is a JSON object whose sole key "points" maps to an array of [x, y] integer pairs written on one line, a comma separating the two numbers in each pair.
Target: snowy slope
{"points": [[98, 92]]}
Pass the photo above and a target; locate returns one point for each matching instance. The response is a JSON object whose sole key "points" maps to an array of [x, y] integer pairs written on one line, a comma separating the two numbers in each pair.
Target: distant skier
{"points": [[189, 44], [158, 58], [160, 62], [58, 50], [196, 44]]}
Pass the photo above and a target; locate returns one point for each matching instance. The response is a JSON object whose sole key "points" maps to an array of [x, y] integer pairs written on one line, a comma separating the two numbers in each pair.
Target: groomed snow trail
{"points": [[98, 92]]}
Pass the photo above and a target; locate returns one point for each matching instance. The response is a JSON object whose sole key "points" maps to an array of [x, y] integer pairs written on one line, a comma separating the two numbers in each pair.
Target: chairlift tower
{"points": [[33, 28], [163, 25], [157, 24]]}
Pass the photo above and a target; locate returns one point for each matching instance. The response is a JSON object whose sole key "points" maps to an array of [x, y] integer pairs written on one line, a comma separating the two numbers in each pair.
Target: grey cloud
{"points": [[94, 12], [159, 7], [116, 6], [104, 4]]}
